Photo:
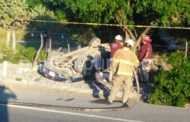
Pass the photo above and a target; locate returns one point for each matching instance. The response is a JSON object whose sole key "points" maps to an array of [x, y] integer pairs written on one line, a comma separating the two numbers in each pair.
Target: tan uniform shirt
{"points": [[123, 62]]}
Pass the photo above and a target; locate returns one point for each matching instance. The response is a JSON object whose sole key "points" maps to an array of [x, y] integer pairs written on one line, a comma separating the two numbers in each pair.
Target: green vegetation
{"points": [[2, 40], [13, 13], [173, 87], [22, 54], [29, 53], [135, 12], [124, 11], [18, 79], [154, 12], [42, 56]]}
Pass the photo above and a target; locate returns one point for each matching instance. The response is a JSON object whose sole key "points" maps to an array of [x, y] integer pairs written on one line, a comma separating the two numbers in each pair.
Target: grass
{"points": [[2, 40]]}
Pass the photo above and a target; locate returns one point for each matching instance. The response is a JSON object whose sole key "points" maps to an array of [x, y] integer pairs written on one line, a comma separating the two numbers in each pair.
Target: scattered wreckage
{"points": [[87, 61], [92, 60], [74, 65]]}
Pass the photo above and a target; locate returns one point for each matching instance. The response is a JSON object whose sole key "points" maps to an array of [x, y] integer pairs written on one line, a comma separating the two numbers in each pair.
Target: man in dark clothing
{"points": [[46, 38], [145, 58]]}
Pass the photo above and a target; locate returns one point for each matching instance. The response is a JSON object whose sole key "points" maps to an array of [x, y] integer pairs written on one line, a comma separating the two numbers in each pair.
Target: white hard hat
{"points": [[119, 37], [130, 42]]}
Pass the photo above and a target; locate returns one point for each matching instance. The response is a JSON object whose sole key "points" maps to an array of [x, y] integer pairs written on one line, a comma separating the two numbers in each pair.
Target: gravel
{"points": [[25, 75]]}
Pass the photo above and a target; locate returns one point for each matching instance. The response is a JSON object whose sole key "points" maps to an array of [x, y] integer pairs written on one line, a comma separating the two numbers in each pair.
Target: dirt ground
{"points": [[26, 74], [18, 71]]}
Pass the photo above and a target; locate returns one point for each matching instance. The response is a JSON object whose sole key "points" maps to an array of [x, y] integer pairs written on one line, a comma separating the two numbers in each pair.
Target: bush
{"points": [[12, 56], [173, 87], [29, 53], [25, 55], [42, 56]]}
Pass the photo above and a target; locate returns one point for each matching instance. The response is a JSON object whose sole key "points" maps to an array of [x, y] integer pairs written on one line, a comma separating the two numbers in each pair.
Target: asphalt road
{"points": [[140, 113]]}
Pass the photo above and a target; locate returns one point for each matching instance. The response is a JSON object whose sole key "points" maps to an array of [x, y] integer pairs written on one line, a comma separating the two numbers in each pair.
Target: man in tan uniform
{"points": [[122, 65]]}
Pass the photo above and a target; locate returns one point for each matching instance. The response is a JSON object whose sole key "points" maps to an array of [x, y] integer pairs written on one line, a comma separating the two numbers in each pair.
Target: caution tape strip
{"points": [[112, 25]]}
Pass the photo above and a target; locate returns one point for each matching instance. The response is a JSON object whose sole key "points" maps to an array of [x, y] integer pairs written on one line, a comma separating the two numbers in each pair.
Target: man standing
{"points": [[123, 63], [117, 44], [145, 57], [114, 46], [46, 39]]}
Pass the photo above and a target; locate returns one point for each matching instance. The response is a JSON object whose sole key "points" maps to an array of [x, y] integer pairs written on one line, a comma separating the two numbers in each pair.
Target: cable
{"points": [[112, 25]]}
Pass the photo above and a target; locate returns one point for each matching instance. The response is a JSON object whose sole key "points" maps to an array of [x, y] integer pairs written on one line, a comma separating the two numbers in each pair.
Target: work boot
{"points": [[109, 101], [125, 102]]}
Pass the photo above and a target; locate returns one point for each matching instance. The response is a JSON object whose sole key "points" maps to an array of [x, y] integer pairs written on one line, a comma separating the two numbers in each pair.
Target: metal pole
{"points": [[5, 65], [68, 46], [14, 39], [186, 49], [137, 81]]}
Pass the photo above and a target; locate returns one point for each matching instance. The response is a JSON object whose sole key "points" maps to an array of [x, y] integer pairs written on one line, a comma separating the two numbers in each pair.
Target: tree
{"points": [[13, 14], [143, 12], [16, 13], [161, 13], [33, 3]]}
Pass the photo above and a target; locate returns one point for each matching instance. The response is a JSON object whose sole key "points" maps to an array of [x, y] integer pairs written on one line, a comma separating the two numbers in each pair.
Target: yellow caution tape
{"points": [[113, 25]]}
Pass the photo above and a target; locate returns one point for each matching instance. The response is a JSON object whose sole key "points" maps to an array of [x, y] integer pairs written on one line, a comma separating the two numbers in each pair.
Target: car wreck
{"points": [[74, 65]]}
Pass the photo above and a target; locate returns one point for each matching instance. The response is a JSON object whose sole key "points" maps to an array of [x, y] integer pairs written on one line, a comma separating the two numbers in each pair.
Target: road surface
{"points": [[140, 113]]}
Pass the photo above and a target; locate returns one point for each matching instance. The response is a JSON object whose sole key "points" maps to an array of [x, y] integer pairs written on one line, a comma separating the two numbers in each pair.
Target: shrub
{"points": [[173, 87], [12, 56], [29, 53], [22, 54], [42, 56]]}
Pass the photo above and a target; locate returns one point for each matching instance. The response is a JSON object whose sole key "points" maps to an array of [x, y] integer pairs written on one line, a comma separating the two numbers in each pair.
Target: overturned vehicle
{"points": [[90, 61], [77, 64]]}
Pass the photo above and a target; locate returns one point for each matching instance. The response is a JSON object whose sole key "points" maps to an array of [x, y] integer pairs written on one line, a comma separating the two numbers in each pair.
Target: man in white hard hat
{"points": [[123, 63], [116, 44]]}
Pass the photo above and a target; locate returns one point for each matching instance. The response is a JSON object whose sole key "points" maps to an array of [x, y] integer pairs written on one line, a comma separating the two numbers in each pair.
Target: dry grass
{"points": [[2, 40], [20, 36], [187, 105]]}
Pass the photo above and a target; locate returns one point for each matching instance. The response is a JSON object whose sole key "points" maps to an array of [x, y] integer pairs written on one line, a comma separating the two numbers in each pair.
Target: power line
{"points": [[111, 25]]}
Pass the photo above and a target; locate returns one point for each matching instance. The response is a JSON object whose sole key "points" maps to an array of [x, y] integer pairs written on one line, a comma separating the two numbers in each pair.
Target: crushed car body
{"points": [[75, 65]]}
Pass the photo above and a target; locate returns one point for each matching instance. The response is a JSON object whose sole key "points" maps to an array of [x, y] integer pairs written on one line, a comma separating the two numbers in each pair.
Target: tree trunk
{"points": [[136, 34], [14, 39], [68, 46], [131, 34], [50, 44], [127, 36], [8, 38], [128, 33], [186, 49], [39, 50]]}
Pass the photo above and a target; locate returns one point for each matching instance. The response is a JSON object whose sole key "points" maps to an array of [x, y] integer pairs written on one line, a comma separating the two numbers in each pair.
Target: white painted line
{"points": [[70, 113]]}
